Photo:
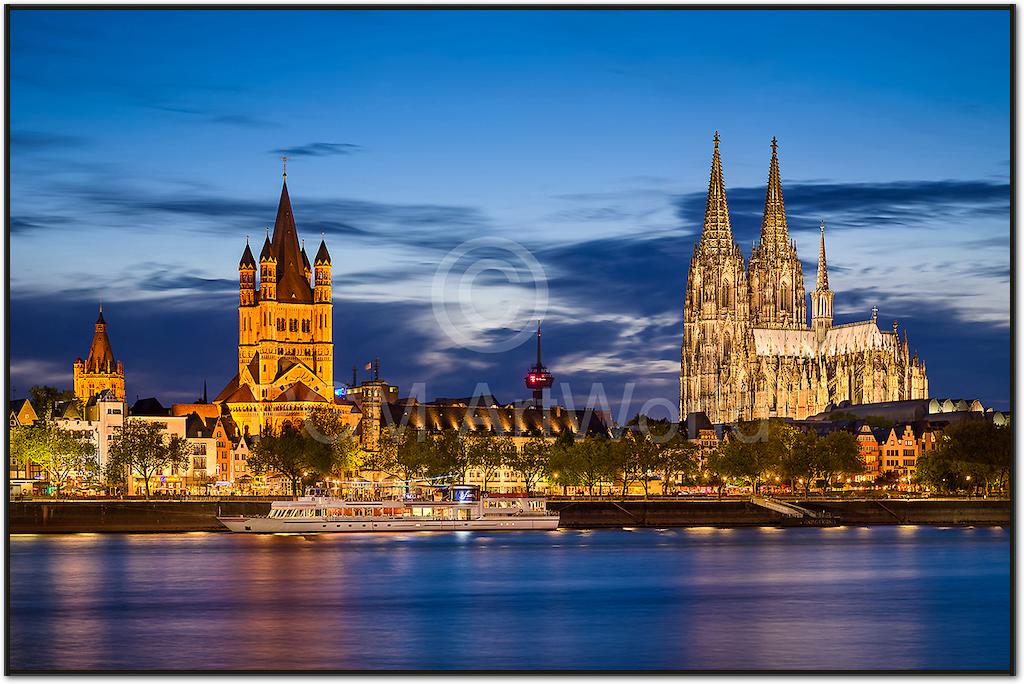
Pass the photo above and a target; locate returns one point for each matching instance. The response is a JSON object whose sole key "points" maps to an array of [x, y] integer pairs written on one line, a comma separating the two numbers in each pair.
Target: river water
{"points": [[699, 598]]}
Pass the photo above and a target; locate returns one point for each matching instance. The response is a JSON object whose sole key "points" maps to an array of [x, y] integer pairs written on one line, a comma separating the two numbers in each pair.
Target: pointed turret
{"points": [[821, 283], [101, 356], [322, 255], [717, 232], [774, 229], [267, 253], [821, 298], [292, 285], [247, 277], [247, 260], [306, 268]]}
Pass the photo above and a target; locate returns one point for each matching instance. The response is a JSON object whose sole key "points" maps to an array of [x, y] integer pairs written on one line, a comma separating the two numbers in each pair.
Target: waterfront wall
{"points": [[41, 517], [740, 512]]}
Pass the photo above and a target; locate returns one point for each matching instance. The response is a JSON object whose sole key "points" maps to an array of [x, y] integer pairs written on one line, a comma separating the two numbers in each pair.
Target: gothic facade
{"points": [[285, 332], [748, 349]]}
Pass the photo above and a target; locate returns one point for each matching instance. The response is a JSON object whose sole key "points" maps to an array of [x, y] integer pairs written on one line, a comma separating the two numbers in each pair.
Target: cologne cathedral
{"points": [[748, 351]]}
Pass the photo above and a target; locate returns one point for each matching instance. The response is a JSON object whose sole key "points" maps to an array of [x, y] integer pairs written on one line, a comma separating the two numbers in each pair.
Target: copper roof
{"points": [[247, 259], [292, 284], [101, 356], [299, 392], [322, 255]]}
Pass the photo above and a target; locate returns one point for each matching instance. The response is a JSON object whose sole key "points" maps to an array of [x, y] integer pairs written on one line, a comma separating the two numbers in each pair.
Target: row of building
{"points": [[285, 367]]}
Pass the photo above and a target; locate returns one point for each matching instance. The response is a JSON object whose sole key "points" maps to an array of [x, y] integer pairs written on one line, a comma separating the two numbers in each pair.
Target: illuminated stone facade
{"points": [[748, 351], [285, 333], [99, 371]]}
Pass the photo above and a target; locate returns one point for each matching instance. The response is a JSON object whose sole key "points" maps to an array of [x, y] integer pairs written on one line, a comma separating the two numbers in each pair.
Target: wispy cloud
{"points": [[317, 149], [35, 141]]}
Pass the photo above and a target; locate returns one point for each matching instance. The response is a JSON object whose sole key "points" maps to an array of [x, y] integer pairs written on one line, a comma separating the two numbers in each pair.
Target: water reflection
{"points": [[883, 597]]}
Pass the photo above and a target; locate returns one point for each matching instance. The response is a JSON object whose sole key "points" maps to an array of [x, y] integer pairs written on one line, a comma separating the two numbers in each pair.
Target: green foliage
{"points": [[635, 458], [975, 449], [532, 462], [43, 398], [327, 426], [487, 453], [676, 457], [142, 448], [447, 455], [58, 452]]}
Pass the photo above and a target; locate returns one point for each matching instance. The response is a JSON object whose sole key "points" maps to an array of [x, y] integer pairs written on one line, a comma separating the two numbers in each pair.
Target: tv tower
{"points": [[538, 378]]}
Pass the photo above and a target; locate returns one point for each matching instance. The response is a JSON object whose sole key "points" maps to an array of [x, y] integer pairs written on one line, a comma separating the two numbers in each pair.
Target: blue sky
{"points": [[145, 146]]}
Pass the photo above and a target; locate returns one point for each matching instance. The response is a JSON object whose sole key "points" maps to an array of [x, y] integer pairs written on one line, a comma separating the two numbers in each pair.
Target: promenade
{"points": [[114, 515]]}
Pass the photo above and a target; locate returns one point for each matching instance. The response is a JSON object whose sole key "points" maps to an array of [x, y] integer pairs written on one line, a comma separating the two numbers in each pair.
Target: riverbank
{"points": [[56, 517]]}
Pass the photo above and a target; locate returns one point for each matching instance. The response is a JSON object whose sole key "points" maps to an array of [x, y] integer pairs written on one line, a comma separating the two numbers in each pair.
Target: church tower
{"points": [[821, 298], [99, 371], [284, 321], [323, 323], [716, 316], [777, 298]]}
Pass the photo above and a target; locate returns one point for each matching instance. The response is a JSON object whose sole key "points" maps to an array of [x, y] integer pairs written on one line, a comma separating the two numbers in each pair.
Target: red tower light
{"points": [[538, 378]]}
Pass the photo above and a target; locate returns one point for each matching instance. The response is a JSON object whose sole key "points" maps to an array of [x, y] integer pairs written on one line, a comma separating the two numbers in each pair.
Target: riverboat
{"points": [[461, 508]]}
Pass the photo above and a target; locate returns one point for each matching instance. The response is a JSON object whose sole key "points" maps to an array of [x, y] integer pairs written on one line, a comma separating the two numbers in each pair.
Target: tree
{"points": [[327, 426], [142, 447], [44, 397], [488, 453], [750, 452], [403, 452], [978, 449], [532, 462], [840, 455], [58, 452], [636, 457], [591, 462], [676, 457], [803, 460], [446, 455]]}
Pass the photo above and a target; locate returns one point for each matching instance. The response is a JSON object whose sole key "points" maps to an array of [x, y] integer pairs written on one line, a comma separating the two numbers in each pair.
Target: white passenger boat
{"points": [[462, 509]]}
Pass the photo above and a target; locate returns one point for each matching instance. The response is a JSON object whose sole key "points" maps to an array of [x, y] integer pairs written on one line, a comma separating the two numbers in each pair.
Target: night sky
{"points": [[145, 147]]}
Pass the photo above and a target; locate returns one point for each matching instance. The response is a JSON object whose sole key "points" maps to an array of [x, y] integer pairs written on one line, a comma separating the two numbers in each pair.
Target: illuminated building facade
{"points": [[748, 351]]}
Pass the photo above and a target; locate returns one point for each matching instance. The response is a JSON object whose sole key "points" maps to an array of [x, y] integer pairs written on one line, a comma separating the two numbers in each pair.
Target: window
{"points": [[293, 325]]}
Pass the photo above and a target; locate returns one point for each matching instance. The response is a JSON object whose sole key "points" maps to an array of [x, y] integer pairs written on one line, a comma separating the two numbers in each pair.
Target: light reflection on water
{"points": [[698, 598]]}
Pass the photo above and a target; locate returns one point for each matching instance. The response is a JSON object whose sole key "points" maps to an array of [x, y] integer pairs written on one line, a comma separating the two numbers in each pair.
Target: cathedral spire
{"points": [[822, 282], [774, 230], [717, 233]]}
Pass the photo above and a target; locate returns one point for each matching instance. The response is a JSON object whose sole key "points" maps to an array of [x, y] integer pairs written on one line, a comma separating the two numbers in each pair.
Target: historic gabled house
{"points": [[748, 350]]}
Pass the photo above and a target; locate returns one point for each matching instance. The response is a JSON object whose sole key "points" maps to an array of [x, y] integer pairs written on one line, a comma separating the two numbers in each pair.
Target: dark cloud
{"points": [[164, 279], [28, 223], [317, 149], [36, 141], [859, 205]]}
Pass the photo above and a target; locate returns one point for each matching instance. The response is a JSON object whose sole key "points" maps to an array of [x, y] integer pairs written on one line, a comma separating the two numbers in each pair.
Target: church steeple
{"points": [[292, 284], [774, 229], [717, 232], [821, 298], [100, 370], [821, 283]]}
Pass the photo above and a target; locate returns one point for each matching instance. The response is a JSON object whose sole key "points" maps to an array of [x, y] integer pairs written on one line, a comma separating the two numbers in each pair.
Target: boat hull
{"points": [[263, 525]]}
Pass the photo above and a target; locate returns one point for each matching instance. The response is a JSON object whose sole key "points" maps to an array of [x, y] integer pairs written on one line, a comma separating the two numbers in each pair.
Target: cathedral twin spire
{"points": [[774, 229], [717, 234]]}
